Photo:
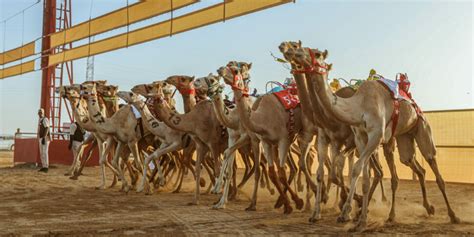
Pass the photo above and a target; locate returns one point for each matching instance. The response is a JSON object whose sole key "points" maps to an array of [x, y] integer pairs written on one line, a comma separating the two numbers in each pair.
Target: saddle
{"points": [[288, 98], [397, 96]]}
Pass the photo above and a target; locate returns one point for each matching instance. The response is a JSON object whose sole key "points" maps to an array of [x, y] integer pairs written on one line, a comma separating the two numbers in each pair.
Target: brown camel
{"points": [[201, 123], [369, 112], [238, 138], [267, 120], [331, 132], [171, 139], [122, 125]]}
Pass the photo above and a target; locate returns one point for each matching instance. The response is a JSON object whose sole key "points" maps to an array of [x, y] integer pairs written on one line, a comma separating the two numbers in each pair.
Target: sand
{"points": [[51, 204]]}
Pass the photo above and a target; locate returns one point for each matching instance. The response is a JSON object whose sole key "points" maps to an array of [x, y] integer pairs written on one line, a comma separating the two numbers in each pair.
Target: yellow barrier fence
{"points": [[17, 69], [119, 18], [196, 19], [18, 53]]}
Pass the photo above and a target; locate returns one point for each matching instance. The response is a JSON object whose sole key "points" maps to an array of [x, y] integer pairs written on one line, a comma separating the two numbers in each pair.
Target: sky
{"points": [[429, 40]]}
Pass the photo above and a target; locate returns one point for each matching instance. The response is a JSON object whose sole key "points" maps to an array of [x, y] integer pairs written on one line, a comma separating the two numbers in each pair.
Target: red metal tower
{"points": [[56, 17]]}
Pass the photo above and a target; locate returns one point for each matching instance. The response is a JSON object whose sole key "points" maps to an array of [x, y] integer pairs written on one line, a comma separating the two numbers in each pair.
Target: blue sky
{"points": [[429, 40]]}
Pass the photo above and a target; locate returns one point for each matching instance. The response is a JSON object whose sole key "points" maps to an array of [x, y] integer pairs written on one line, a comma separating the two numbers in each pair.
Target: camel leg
{"points": [[155, 156], [322, 143], [424, 139], [406, 149], [388, 153], [83, 164], [283, 148], [102, 160], [228, 173], [118, 151], [201, 153], [368, 147], [269, 155], [256, 161], [229, 155]]}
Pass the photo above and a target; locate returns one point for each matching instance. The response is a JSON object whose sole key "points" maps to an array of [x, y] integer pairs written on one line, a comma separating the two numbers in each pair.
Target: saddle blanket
{"points": [[136, 112], [288, 100], [394, 89]]}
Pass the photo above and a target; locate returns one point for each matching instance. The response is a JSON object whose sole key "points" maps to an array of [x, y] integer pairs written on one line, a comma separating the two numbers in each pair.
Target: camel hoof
{"points": [[455, 220], [431, 210], [343, 219], [288, 210], [314, 219], [300, 187], [251, 208], [102, 187], [299, 203], [279, 203], [325, 198], [175, 191], [73, 177], [67, 174], [140, 189], [202, 182], [192, 203], [358, 228], [390, 220], [218, 206]]}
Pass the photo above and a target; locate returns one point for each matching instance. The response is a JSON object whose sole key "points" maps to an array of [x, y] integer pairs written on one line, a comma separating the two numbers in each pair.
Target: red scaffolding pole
{"points": [[56, 17]]}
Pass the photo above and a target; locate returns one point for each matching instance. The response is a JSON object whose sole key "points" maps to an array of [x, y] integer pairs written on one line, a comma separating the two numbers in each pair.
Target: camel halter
{"points": [[236, 78], [184, 91], [213, 89], [315, 66]]}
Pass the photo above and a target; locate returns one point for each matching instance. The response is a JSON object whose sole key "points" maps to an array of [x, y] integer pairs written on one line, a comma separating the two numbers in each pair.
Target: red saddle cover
{"points": [[287, 99]]}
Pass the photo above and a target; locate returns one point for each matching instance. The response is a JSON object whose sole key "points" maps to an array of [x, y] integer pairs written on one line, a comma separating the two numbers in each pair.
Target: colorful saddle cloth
{"points": [[287, 98]]}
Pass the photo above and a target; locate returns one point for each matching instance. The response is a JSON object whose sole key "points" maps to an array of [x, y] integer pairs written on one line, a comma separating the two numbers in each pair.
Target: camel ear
{"points": [[250, 65], [192, 78], [210, 74], [299, 43], [330, 67], [325, 54]]}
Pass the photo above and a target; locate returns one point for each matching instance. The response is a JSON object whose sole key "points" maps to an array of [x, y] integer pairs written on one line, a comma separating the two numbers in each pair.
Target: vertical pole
{"points": [[49, 27]]}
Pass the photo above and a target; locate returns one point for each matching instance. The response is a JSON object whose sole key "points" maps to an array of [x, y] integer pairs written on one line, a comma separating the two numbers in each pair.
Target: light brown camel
{"points": [[171, 139], [267, 120], [331, 132], [369, 112], [81, 115], [122, 126], [238, 137], [201, 123]]}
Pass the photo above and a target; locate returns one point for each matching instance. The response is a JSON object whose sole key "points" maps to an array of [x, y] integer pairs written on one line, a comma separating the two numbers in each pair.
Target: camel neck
{"points": [[223, 113], [97, 116], [189, 101], [172, 118], [336, 107], [244, 110], [152, 124]]}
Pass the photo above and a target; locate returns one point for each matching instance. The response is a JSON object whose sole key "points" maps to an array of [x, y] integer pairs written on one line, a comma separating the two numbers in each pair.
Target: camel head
{"points": [[88, 89], [108, 92], [184, 84], [70, 91], [142, 89], [129, 96], [244, 68], [287, 48], [307, 60], [208, 85], [232, 75]]}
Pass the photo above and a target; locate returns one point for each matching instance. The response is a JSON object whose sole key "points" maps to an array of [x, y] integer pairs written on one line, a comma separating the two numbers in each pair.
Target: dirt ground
{"points": [[33, 203]]}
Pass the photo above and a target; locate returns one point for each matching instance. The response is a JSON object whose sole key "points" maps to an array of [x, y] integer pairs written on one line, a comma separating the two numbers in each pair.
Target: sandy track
{"points": [[36, 203]]}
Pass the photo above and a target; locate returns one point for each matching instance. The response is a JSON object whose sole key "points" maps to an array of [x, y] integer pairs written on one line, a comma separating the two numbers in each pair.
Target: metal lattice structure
{"points": [[56, 17]]}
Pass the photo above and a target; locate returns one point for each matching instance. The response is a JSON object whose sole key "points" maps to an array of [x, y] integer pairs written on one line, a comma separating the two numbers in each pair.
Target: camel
{"points": [[267, 120], [201, 123], [330, 132], [81, 115], [238, 137], [122, 126], [171, 139], [369, 113]]}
